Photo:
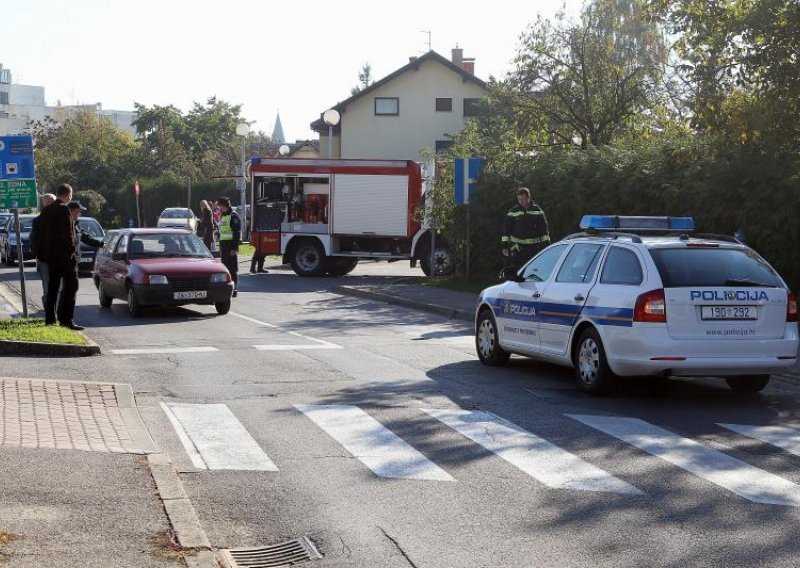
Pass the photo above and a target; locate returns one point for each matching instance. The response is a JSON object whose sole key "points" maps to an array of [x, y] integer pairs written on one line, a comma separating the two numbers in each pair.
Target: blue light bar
{"points": [[623, 223]]}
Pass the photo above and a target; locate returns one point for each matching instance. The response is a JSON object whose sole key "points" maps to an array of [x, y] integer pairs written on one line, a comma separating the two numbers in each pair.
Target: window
{"points": [[387, 106], [3, 98], [471, 107], [444, 104], [540, 268], [110, 242], [122, 247], [443, 145], [580, 264], [621, 267], [5, 76], [680, 267]]}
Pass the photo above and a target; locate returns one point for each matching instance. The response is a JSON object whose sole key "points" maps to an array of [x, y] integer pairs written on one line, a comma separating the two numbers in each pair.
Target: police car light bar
{"points": [[622, 223]]}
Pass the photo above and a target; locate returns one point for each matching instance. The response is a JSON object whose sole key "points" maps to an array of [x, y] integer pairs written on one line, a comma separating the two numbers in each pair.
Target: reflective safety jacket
{"points": [[525, 228], [230, 229]]}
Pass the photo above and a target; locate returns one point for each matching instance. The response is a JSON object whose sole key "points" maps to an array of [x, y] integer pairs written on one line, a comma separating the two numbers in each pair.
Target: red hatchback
{"points": [[160, 267]]}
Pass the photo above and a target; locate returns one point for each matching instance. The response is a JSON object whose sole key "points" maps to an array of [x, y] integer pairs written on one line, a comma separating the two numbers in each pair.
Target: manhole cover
{"points": [[286, 553]]}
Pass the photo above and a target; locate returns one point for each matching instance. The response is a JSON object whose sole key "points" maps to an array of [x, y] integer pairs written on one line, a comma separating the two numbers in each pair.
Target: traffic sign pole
{"points": [[21, 261]]}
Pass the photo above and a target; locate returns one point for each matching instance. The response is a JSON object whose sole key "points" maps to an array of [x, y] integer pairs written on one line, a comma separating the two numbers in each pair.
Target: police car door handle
{"points": [[537, 294], [579, 298]]}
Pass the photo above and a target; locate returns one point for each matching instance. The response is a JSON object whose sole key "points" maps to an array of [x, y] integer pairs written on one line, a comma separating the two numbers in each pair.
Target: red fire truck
{"points": [[323, 216]]}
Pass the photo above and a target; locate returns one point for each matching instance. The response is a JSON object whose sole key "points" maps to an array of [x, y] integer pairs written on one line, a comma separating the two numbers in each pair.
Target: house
{"points": [[415, 107]]}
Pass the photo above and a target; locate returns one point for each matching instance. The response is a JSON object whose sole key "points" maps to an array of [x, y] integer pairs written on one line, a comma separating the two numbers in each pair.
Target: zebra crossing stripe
{"points": [[721, 469], [542, 460], [372, 443], [780, 436], [214, 434]]}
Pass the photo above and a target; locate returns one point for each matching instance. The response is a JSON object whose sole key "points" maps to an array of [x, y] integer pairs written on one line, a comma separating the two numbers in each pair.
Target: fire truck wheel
{"points": [[443, 262], [308, 258], [341, 266]]}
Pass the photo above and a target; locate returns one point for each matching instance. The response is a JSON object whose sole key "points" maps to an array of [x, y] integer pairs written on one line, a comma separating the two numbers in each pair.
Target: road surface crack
{"points": [[399, 548]]}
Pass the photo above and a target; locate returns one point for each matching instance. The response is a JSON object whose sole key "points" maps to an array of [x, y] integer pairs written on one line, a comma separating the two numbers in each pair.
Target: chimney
{"points": [[457, 55], [469, 65], [412, 59]]}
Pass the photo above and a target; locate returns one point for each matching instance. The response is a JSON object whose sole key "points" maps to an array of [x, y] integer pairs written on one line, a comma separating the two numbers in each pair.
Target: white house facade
{"points": [[415, 107]]}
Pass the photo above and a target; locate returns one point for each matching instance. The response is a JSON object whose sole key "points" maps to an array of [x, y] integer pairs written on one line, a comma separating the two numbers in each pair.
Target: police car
{"points": [[636, 296]]}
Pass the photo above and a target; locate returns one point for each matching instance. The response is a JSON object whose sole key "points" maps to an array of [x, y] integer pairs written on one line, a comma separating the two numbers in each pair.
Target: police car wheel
{"points": [[487, 342], [747, 383], [591, 368]]}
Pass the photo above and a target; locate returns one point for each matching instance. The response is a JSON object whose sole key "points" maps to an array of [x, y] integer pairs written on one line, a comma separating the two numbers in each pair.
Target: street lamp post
{"points": [[243, 129], [331, 118]]}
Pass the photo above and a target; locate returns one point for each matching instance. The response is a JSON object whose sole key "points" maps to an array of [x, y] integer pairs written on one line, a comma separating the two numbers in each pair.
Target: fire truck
{"points": [[324, 215]]}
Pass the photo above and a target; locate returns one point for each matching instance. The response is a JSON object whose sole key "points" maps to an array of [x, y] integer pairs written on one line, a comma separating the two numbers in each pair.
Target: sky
{"points": [[294, 57]]}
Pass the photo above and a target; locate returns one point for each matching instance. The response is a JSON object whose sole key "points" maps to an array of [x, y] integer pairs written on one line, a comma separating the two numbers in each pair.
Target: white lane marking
{"points": [[163, 350], [191, 450], [712, 465], [295, 347], [535, 456], [780, 436], [279, 328], [220, 438], [377, 447]]}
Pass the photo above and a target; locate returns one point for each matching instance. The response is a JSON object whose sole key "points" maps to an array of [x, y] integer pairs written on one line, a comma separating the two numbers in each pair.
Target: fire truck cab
{"points": [[323, 216]]}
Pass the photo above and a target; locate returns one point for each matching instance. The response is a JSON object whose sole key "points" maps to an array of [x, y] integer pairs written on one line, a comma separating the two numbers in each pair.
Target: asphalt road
{"points": [[375, 431]]}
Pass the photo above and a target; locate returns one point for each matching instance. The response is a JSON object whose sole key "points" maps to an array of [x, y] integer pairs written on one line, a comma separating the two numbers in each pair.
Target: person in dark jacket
{"points": [[206, 228], [230, 236], [41, 264], [81, 236], [59, 249], [525, 230]]}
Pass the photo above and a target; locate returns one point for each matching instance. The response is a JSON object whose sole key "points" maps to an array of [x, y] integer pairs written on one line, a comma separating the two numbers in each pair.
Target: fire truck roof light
{"points": [[623, 223]]}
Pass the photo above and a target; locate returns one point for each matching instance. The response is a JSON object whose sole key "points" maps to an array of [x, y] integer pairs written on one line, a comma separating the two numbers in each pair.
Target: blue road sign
{"points": [[17, 177], [467, 171]]}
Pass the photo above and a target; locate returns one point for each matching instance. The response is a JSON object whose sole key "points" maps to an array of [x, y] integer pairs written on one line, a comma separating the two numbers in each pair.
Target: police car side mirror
{"points": [[510, 275]]}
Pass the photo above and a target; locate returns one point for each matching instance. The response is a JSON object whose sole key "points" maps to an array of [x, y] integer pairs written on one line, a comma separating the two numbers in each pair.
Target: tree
{"points": [[364, 79], [585, 82], [739, 59], [84, 150]]}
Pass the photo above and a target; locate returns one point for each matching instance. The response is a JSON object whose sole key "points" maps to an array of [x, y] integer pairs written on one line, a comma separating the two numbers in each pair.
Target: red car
{"points": [[160, 267]]}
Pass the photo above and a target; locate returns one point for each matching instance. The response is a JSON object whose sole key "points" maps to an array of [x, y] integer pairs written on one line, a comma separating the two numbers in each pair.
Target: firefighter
{"points": [[230, 235], [525, 230]]}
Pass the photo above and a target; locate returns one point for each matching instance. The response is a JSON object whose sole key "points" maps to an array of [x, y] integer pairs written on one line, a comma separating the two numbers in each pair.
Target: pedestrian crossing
{"points": [[215, 439]]}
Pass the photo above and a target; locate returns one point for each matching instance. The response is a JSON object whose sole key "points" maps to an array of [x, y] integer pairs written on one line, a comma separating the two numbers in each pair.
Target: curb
{"points": [[447, 311], [25, 348]]}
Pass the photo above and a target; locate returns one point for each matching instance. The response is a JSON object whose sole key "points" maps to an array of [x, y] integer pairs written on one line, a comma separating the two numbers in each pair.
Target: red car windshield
{"points": [[167, 245]]}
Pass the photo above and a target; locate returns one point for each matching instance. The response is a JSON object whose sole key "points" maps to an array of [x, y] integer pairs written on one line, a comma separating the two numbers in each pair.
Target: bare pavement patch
{"points": [[76, 489]]}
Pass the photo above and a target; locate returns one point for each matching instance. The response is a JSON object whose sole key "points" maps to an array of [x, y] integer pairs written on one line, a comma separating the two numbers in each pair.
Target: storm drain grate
{"points": [[286, 553]]}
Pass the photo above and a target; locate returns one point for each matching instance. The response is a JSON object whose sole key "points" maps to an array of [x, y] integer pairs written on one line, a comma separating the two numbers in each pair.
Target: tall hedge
{"points": [[724, 187]]}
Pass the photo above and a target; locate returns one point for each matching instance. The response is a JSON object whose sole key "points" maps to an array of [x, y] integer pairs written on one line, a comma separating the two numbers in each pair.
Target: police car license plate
{"points": [[194, 295], [729, 312]]}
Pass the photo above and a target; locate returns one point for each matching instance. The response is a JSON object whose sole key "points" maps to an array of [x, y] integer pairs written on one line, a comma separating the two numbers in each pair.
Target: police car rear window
{"points": [[682, 267]]}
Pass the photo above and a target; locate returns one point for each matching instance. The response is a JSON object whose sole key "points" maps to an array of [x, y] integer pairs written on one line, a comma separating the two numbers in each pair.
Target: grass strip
{"points": [[34, 329]]}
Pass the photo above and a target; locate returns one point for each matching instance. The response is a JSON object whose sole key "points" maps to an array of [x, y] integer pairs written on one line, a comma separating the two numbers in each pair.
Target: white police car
{"points": [[613, 301]]}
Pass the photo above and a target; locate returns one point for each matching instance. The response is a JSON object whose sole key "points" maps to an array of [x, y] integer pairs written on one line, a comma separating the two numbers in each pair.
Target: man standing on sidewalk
{"points": [[525, 231], [41, 264], [58, 249], [230, 235]]}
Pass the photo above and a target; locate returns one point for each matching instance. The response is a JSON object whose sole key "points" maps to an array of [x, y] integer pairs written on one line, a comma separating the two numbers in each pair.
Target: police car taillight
{"points": [[651, 307], [791, 308]]}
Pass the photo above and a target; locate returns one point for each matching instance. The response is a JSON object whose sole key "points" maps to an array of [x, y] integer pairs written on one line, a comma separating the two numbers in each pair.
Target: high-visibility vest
{"points": [[224, 226]]}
